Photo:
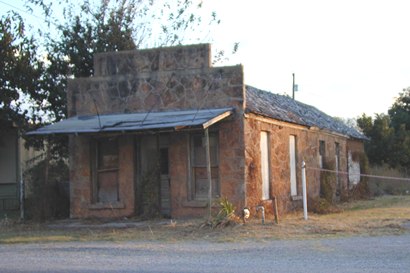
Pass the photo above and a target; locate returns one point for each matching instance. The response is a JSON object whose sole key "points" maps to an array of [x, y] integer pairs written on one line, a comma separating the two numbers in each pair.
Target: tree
{"points": [[400, 111], [378, 149], [108, 26], [389, 134], [20, 71], [400, 121]]}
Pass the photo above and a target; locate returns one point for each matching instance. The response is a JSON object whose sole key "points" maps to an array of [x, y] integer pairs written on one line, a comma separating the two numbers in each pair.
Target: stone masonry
{"points": [[157, 80], [180, 78]]}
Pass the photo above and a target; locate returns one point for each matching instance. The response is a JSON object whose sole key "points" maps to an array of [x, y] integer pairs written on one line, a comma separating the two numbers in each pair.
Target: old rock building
{"points": [[142, 125]]}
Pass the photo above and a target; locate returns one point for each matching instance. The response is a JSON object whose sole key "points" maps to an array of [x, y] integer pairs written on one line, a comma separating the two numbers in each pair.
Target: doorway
{"points": [[152, 176]]}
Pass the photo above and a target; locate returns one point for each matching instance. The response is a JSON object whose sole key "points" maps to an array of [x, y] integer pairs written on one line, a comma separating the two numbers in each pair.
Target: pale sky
{"points": [[349, 57]]}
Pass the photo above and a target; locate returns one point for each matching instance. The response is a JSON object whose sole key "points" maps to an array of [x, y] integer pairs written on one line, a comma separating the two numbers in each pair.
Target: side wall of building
{"points": [[307, 149]]}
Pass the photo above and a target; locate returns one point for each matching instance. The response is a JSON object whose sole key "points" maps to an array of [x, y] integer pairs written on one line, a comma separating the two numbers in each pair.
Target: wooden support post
{"points": [[275, 209], [208, 172]]}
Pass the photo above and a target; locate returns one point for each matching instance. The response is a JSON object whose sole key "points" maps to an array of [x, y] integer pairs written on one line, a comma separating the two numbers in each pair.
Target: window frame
{"points": [[215, 162], [98, 168]]}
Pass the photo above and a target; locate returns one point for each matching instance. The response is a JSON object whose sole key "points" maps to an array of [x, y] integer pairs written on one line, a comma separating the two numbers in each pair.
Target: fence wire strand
{"points": [[361, 175]]}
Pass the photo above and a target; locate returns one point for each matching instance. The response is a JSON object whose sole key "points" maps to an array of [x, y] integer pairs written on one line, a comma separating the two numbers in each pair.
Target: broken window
{"points": [[199, 184], [106, 166]]}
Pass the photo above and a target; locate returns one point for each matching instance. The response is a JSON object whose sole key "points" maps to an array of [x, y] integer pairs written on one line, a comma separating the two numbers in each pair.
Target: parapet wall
{"points": [[149, 60], [156, 80]]}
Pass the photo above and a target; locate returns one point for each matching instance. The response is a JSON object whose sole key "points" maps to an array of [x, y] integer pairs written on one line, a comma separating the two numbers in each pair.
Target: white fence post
{"points": [[304, 191]]}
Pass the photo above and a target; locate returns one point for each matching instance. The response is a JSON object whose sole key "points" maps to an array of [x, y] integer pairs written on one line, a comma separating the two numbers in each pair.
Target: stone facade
{"points": [[149, 81], [180, 78]]}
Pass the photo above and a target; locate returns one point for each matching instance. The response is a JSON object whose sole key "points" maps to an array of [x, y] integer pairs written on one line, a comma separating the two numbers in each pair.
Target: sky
{"points": [[349, 57]]}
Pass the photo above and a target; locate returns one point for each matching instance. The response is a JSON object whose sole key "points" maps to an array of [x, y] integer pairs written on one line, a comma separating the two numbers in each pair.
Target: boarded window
{"points": [[292, 165], [199, 182], [106, 170], [264, 146]]}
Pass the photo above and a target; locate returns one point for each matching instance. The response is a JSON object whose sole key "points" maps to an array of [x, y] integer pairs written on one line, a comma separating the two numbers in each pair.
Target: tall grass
{"points": [[382, 186]]}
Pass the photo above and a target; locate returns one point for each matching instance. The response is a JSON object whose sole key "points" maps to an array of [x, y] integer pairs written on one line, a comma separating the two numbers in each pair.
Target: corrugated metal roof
{"points": [[174, 120], [287, 109]]}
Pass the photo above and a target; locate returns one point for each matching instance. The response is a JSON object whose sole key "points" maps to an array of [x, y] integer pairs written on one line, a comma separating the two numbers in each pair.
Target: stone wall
{"points": [[307, 149], [81, 204], [157, 80], [169, 86]]}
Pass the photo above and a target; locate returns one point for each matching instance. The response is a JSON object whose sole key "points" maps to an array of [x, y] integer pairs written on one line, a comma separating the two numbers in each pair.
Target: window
{"points": [[264, 145], [322, 152], [199, 184], [105, 178], [292, 165]]}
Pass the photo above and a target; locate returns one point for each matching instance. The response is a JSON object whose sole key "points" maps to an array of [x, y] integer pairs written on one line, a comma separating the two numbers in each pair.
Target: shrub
{"points": [[47, 200], [327, 183]]}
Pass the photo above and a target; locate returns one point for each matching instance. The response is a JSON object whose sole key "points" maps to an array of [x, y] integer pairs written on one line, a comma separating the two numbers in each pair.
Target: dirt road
{"points": [[347, 254]]}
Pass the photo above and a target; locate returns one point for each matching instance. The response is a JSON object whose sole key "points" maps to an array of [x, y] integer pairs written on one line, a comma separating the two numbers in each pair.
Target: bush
{"points": [[51, 200], [327, 183], [225, 217]]}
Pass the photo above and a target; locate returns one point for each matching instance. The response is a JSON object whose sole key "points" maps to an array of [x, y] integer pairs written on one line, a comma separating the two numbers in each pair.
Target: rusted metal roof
{"points": [[286, 109], [166, 120]]}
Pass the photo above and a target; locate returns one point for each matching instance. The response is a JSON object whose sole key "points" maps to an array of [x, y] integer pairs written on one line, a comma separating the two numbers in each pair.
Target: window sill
{"points": [[296, 197], [114, 205], [195, 204]]}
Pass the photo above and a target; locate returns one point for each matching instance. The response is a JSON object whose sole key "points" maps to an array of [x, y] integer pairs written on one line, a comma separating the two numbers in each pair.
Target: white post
{"points": [[305, 213]]}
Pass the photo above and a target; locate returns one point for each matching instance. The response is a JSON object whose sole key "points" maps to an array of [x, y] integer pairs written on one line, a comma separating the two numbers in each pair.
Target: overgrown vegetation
{"points": [[225, 217], [48, 192], [380, 186], [330, 197], [385, 215], [150, 194]]}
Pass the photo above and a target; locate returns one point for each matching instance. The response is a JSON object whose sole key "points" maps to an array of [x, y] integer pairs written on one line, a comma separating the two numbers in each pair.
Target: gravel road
{"points": [[350, 254]]}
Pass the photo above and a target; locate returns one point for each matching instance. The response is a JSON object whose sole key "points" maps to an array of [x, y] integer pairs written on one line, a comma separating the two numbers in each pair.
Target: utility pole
{"points": [[293, 86]]}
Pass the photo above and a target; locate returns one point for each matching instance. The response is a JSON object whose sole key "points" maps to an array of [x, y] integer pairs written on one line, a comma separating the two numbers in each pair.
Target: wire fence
{"points": [[378, 184], [361, 175]]}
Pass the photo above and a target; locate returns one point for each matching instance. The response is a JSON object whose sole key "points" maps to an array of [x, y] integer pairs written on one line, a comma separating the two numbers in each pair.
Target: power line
{"points": [[24, 11]]}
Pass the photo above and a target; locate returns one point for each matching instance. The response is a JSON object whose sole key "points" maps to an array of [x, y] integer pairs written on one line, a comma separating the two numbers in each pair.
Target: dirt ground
{"points": [[388, 215]]}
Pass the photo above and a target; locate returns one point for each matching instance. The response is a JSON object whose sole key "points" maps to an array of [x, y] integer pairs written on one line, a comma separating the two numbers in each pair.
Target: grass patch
{"points": [[380, 216]]}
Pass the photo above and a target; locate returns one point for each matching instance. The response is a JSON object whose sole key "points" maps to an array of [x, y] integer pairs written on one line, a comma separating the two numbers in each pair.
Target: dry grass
{"points": [[381, 216]]}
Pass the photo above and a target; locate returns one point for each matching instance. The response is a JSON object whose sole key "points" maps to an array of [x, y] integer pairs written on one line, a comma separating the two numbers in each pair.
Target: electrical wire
{"points": [[21, 10]]}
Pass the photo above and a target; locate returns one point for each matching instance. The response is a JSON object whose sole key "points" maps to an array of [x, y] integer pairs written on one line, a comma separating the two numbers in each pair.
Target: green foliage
{"points": [[378, 149], [225, 217], [227, 208], [20, 71], [328, 183], [389, 134]]}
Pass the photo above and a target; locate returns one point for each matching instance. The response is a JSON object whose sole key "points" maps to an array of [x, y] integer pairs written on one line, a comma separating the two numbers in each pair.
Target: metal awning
{"points": [[166, 120]]}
